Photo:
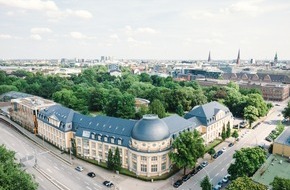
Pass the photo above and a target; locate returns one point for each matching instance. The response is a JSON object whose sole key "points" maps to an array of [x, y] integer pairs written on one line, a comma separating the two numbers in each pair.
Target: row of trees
{"points": [[94, 90], [11, 174]]}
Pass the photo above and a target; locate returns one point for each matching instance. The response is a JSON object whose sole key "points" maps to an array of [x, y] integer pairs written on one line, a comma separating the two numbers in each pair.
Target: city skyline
{"points": [[130, 29]]}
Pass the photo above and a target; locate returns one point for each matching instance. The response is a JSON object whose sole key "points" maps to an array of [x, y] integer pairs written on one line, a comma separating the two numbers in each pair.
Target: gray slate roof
{"points": [[205, 113], [176, 123], [284, 138]]}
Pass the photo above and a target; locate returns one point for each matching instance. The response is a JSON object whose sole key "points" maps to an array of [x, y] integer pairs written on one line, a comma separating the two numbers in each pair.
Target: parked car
{"points": [[215, 156], [269, 139], [186, 177], [220, 152], [198, 168], [223, 149], [177, 183], [204, 164], [108, 183], [231, 144], [79, 168], [217, 187], [226, 178], [91, 174]]}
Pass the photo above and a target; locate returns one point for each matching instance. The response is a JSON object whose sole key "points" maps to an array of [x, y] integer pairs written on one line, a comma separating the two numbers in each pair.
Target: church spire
{"points": [[238, 58], [209, 58], [276, 58]]}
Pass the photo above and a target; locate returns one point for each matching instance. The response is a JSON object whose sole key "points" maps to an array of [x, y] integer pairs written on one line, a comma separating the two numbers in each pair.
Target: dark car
{"points": [[220, 152], [198, 168], [108, 183], [177, 183], [186, 177], [269, 139], [215, 155], [91, 174], [231, 144]]}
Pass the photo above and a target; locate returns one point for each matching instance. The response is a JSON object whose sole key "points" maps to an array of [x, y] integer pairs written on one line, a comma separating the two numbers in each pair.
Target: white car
{"points": [[224, 149], [226, 178], [79, 168]]}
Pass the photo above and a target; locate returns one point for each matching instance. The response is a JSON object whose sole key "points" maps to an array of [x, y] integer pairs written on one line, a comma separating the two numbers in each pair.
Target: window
{"points": [[105, 139], [143, 168], [134, 165], [99, 137], [134, 156], [100, 146], [164, 157], [143, 158], [106, 147], [112, 140], [154, 158], [154, 168], [163, 166], [119, 141]]}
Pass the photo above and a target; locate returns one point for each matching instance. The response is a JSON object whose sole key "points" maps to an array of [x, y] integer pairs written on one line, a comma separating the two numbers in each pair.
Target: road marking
{"points": [[49, 159], [222, 169], [87, 183], [217, 174], [88, 187], [49, 170], [211, 179], [56, 168], [97, 185], [228, 164]]}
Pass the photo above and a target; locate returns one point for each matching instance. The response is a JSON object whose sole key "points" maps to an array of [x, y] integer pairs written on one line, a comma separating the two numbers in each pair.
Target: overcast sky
{"points": [[145, 29]]}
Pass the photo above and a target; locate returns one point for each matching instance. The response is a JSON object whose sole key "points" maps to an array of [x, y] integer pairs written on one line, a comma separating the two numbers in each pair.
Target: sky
{"points": [[145, 29]]}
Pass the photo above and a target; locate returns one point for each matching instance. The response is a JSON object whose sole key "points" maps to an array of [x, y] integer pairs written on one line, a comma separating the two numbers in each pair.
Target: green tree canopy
{"points": [[280, 183], [247, 161], [286, 111], [117, 160], [156, 107], [245, 183], [251, 114], [11, 174], [186, 149], [110, 162], [205, 184], [211, 152]]}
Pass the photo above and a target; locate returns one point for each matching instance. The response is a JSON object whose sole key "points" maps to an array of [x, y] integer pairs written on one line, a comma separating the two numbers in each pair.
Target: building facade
{"points": [[212, 117], [24, 111], [281, 144]]}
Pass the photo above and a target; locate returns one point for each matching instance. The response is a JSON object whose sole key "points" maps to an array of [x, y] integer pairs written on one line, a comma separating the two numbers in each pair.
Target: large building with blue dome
{"points": [[143, 144]]}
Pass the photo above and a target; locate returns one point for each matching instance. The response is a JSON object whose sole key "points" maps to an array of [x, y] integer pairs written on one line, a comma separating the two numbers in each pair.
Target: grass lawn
{"points": [[213, 144]]}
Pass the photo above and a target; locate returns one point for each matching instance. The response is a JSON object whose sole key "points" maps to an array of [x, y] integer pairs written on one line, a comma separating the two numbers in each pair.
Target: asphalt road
{"points": [[62, 174], [217, 169]]}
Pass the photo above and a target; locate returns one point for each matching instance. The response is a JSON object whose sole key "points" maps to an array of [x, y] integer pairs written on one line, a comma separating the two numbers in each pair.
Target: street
{"points": [[217, 169]]}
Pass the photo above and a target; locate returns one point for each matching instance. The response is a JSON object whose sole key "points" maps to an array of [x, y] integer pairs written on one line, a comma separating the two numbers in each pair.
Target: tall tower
{"points": [[238, 58], [275, 59], [209, 58]]}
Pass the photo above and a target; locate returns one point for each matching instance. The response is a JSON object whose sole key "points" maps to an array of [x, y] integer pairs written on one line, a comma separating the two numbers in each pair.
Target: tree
{"points": [[251, 114], [245, 183], [211, 152], [235, 134], [110, 162], [156, 107], [117, 160], [7, 88], [205, 184], [228, 131], [224, 134], [247, 161], [11, 174], [280, 183], [186, 149], [286, 111], [179, 110], [257, 101]]}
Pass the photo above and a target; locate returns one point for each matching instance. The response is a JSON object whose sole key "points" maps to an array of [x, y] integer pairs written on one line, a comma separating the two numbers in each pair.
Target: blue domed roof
{"points": [[150, 128]]}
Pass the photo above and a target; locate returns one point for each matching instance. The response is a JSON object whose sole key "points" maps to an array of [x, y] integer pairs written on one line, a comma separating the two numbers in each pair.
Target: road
{"points": [[62, 174], [217, 169]]}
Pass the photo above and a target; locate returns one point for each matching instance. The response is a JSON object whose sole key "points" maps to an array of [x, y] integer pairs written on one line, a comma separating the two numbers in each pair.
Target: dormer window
{"points": [[93, 136], [99, 137], [113, 140], [105, 138], [119, 141]]}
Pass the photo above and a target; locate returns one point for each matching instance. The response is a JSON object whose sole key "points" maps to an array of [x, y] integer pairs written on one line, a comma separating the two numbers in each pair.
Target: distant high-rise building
{"points": [[209, 58], [238, 58]]}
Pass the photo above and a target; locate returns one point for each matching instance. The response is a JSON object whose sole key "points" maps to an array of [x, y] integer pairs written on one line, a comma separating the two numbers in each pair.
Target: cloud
{"points": [[35, 37], [80, 36], [82, 14], [5, 36], [199, 14], [134, 42], [40, 30], [210, 41], [146, 30], [31, 4]]}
